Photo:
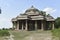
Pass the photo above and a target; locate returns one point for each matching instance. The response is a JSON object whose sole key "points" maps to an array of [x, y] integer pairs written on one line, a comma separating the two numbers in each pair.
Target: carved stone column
{"points": [[42, 25], [52, 25], [35, 25], [13, 25], [26, 25], [22, 26], [17, 25]]}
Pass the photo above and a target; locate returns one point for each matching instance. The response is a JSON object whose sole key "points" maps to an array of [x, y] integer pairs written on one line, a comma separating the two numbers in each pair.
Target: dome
{"points": [[33, 9]]}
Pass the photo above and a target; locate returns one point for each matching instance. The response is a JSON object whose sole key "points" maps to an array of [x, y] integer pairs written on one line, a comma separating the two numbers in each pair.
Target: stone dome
{"points": [[33, 9]]}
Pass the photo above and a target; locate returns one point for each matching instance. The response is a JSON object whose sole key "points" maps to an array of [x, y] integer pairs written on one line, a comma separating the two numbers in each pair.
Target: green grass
{"points": [[4, 33], [56, 33]]}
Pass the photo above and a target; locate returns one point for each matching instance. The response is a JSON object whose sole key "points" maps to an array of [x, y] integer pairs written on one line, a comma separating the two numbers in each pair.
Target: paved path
{"points": [[40, 36]]}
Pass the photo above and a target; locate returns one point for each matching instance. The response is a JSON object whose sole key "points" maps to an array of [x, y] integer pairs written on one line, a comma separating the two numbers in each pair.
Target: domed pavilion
{"points": [[33, 19]]}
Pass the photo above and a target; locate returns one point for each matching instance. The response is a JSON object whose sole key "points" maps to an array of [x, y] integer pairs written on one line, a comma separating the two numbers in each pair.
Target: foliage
{"points": [[57, 22], [48, 15], [4, 33], [43, 13]]}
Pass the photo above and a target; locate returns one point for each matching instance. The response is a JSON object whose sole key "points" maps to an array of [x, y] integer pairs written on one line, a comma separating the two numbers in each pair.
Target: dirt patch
{"points": [[39, 36]]}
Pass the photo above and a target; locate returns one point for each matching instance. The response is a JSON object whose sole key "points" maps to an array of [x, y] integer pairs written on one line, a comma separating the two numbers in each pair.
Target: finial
{"points": [[32, 6]]}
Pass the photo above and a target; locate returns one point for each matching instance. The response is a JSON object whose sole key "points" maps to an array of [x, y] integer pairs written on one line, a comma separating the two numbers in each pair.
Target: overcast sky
{"points": [[12, 8]]}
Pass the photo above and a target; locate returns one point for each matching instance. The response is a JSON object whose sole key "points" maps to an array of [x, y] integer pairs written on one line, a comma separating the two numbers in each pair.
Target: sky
{"points": [[12, 8]]}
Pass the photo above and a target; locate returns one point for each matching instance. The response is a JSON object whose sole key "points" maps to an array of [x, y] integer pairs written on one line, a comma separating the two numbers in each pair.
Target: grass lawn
{"points": [[56, 33], [3, 34]]}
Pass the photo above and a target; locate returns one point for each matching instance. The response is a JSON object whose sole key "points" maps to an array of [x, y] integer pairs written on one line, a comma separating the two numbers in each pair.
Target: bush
{"points": [[4, 33]]}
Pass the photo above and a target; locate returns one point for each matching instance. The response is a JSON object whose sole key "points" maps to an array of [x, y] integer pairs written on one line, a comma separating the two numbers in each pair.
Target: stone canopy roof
{"points": [[33, 14], [33, 9]]}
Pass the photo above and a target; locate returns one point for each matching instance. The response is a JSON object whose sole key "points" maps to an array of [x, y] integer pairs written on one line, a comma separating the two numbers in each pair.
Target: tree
{"points": [[48, 15], [43, 13], [57, 22]]}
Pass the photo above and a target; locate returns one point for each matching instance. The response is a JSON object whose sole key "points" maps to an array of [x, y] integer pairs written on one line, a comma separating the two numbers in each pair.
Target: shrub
{"points": [[4, 33]]}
